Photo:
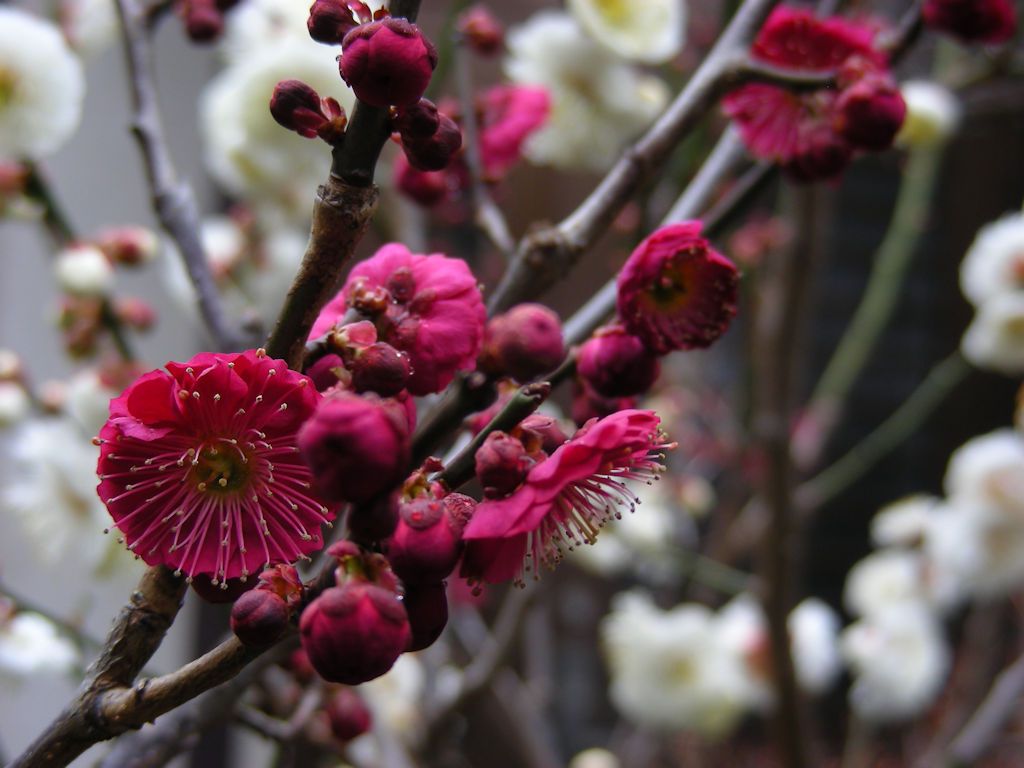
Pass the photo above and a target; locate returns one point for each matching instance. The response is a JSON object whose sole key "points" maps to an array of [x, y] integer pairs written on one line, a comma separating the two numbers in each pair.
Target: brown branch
{"points": [[546, 256], [173, 200], [136, 634]]}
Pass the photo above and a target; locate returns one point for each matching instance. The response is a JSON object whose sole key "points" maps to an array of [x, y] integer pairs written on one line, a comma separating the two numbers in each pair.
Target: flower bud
{"points": [[588, 404], [299, 108], [135, 313], [501, 464], [259, 618], [615, 363], [427, 541], [347, 714], [329, 21], [870, 112], [436, 152], [420, 121], [427, 608], [524, 343], [821, 154], [83, 270], [379, 368], [427, 188], [356, 446], [11, 368], [481, 31], [544, 430], [387, 62], [355, 632], [130, 246], [204, 21], [325, 372]]}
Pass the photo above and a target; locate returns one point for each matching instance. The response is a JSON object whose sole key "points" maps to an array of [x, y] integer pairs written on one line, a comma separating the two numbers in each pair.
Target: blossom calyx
{"points": [[427, 541], [354, 632], [502, 463], [616, 363], [524, 343], [297, 107], [355, 446], [387, 62]]}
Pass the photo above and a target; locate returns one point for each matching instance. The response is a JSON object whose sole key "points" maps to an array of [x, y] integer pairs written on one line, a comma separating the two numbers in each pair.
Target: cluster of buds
{"points": [[204, 19], [429, 138], [355, 359], [263, 614]]}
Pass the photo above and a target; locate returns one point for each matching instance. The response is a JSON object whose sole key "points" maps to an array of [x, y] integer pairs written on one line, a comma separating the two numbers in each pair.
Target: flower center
{"points": [[670, 289], [221, 471], [8, 87], [615, 11]]}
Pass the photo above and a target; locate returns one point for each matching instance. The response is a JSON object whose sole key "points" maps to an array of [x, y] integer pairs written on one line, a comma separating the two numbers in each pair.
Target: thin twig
{"points": [[1001, 703], [173, 199]]}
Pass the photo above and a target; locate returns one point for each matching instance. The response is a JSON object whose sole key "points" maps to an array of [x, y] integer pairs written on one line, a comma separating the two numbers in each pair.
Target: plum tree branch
{"points": [[173, 200]]}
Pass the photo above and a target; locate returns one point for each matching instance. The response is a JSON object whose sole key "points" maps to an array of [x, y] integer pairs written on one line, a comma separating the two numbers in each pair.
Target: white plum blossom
{"points": [[84, 270], [594, 758], [87, 400], [904, 522], [598, 103], [52, 492], [91, 26], [933, 113], [246, 150], [31, 645], [669, 669], [994, 264], [650, 32], [15, 404], [395, 699], [899, 660], [888, 578], [814, 637], [41, 86], [988, 471], [995, 338], [976, 550]]}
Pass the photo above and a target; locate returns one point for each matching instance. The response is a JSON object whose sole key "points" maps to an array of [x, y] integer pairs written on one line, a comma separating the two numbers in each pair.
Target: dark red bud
{"points": [[426, 543], [615, 363], [434, 153], [420, 121], [379, 368], [481, 30], [329, 21], [501, 464], [387, 62], [259, 618], [524, 343], [296, 106], [204, 21], [870, 113], [348, 714]]}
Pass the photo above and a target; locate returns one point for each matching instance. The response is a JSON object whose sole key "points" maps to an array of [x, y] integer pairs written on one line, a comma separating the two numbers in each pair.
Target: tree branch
{"points": [[173, 200], [1000, 704]]}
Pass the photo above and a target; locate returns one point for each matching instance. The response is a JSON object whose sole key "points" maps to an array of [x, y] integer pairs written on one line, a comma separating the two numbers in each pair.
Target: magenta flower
{"points": [[510, 115], [797, 130], [565, 499], [973, 21], [428, 306], [675, 291], [200, 469]]}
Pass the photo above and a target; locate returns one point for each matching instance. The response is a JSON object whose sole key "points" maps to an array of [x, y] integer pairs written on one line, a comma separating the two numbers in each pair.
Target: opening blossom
{"points": [[812, 135], [565, 499], [200, 469], [675, 291], [428, 306]]}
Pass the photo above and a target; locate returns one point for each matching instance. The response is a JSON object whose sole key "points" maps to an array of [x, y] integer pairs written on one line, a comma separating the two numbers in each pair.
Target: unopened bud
{"points": [[259, 618], [427, 541], [135, 313], [84, 270], [434, 153], [347, 714], [501, 464], [330, 20], [387, 62], [426, 188], [524, 343], [616, 363], [130, 246], [379, 368], [419, 121], [481, 31], [426, 605], [870, 112], [204, 21], [297, 107]]}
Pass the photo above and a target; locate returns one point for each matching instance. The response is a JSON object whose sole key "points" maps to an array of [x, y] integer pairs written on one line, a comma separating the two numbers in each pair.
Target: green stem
{"points": [[939, 382], [884, 287]]}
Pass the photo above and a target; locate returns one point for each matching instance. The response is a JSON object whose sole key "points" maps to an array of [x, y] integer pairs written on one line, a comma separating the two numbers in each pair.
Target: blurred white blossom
{"points": [[886, 579], [904, 522], [598, 103], [15, 404], [670, 670], [87, 400], [246, 150], [91, 26], [933, 113], [899, 660], [650, 32], [84, 270], [994, 264], [988, 471], [594, 758], [41, 86], [31, 645], [814, 635], [995, 338]]}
